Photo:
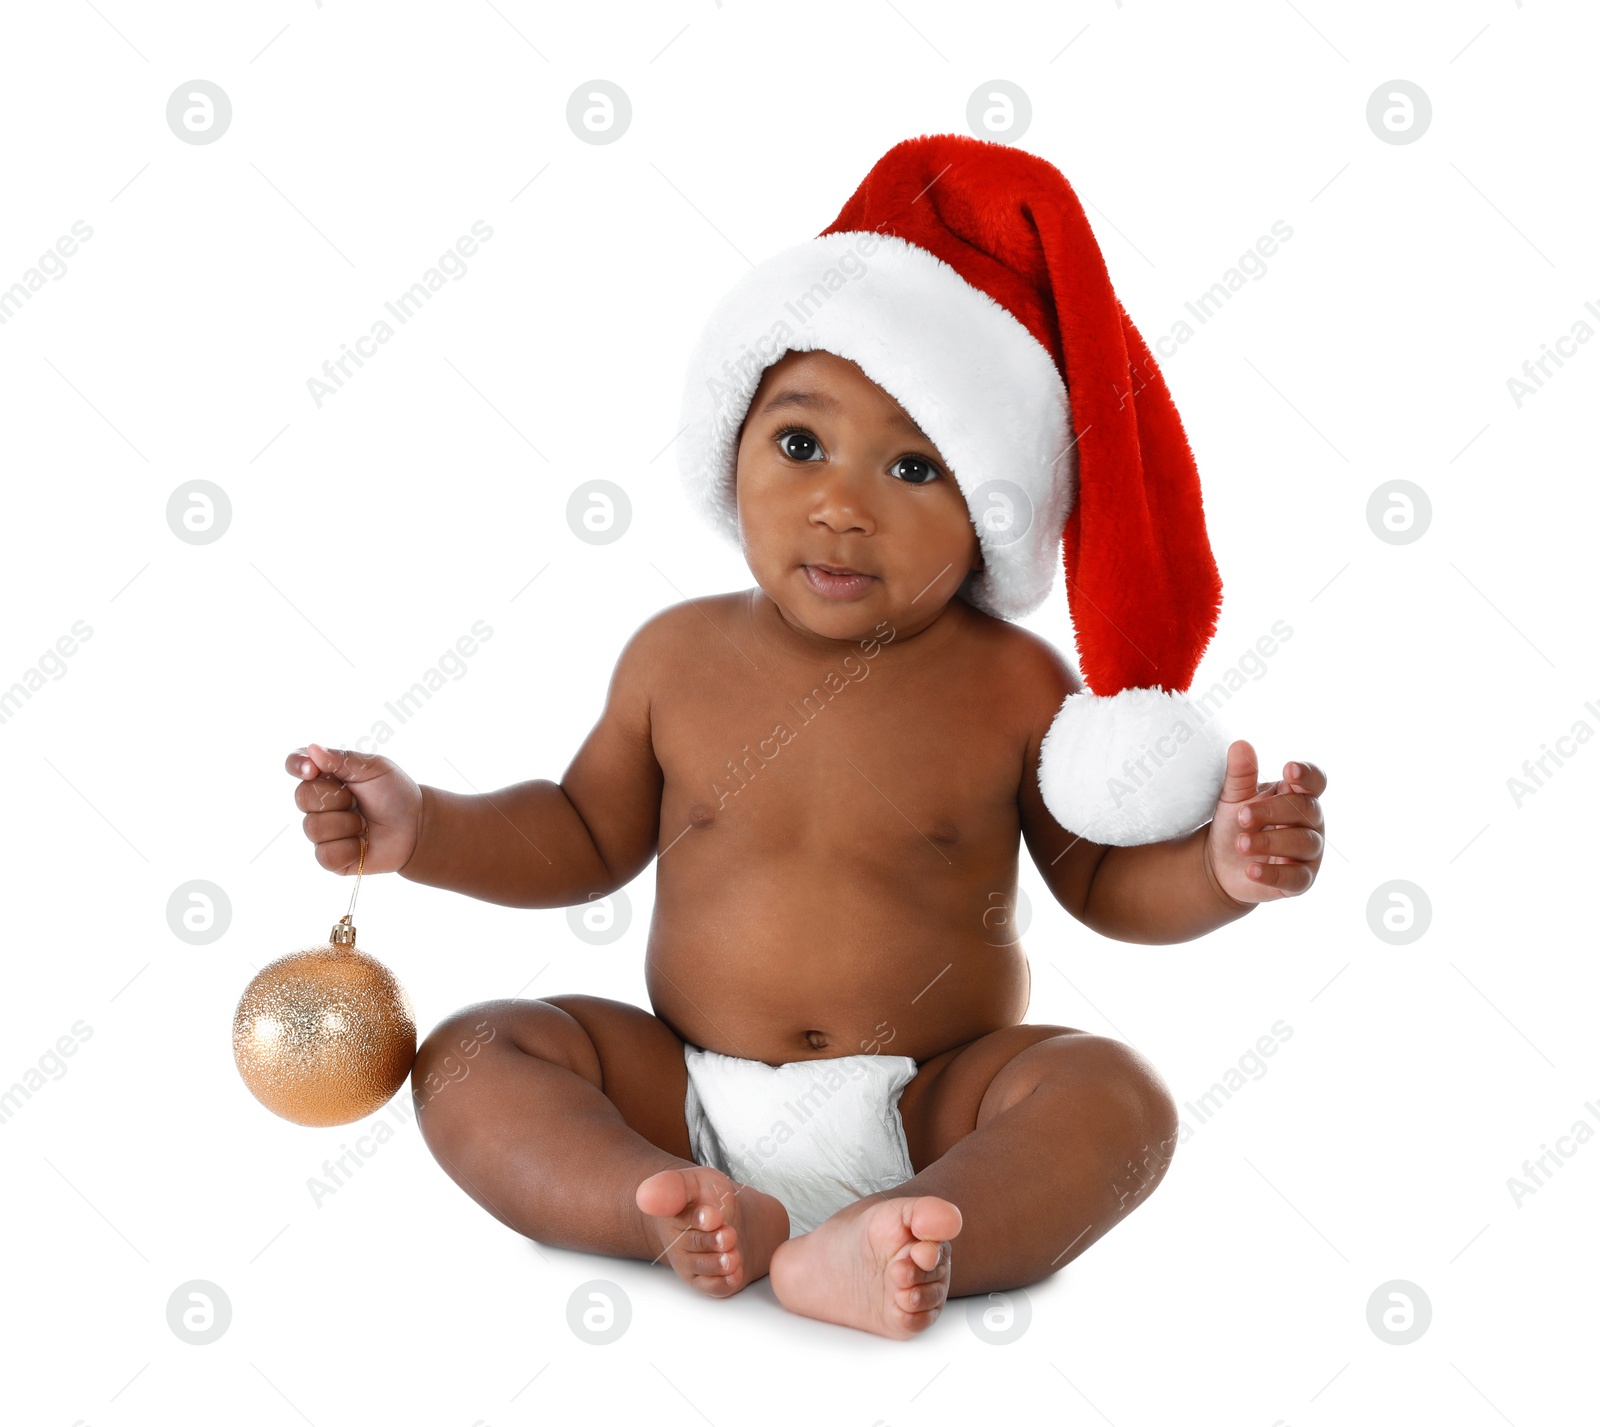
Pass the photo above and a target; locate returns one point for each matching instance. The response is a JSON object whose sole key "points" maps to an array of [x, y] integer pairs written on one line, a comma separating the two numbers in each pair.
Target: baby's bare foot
{"points": [[717, 1235], [878, 1264]]}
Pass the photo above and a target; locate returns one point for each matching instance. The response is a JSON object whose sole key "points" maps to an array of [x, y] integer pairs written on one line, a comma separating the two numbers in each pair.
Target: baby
{"points": [[832, 771]]}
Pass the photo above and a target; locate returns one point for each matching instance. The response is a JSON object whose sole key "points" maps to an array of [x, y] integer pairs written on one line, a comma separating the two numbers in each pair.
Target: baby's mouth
{"points": [[837, 581]]}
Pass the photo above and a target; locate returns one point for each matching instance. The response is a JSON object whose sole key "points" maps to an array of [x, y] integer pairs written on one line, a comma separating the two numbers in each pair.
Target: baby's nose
{"points": [[843, 500]]}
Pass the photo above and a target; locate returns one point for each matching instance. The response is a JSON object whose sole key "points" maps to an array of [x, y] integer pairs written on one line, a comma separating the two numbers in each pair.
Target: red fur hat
{"points": [[963, 278]]}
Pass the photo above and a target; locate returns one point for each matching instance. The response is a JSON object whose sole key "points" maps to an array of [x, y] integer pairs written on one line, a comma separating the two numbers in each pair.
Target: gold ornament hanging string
{"points": [[344, 930]]}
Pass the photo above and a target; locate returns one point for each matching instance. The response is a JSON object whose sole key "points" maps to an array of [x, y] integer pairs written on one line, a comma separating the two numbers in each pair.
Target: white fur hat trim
{"points": [[1140, 766], [980, 385]]}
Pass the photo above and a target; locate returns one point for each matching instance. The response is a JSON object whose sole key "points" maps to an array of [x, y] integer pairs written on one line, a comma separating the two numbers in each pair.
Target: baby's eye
{"points": [[923, 470], [793, 443]]}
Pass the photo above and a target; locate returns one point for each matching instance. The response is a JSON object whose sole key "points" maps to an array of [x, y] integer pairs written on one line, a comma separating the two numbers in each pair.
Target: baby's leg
{"points": [[1029, 1144], [551, 1115]]}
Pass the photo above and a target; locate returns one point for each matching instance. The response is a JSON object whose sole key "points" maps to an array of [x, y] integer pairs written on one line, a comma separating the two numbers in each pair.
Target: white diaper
{"points": [[817, 1134]]}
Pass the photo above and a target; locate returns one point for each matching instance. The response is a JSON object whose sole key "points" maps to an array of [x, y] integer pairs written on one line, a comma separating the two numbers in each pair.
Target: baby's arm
{"points": [[545, 844], [1156, 893]]}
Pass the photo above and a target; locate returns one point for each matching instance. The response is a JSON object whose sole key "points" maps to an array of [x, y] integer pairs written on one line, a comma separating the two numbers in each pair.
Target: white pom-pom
{"points": [[1140, 766]]}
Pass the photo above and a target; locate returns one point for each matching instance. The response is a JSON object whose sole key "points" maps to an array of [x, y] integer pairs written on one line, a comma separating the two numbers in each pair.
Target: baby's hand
{"points": [[346, 795], [1265, 839]]}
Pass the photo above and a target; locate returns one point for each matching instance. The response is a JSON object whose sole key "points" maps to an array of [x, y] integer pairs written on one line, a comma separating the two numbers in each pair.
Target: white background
{"points": [[368, 535]]}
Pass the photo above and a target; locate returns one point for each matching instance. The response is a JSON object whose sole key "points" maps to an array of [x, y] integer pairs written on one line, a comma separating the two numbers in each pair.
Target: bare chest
{"points": [[849, 760]]}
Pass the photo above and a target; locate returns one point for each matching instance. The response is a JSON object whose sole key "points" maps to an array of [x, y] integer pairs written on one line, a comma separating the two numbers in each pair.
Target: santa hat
{"points": [[963, 278]]}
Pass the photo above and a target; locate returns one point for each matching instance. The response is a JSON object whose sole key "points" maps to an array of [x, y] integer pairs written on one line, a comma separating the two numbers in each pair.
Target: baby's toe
{"points": [[710, 1265], [929, 1255], [718, 1287], [920, 1261], [920, 1300], [713, 1205], [663, 1194], [709, 1217], [933, 1219], [904, 1273]]}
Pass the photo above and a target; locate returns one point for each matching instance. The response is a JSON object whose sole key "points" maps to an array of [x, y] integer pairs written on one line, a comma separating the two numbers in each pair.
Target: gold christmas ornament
{"points": [[325, 1035]]}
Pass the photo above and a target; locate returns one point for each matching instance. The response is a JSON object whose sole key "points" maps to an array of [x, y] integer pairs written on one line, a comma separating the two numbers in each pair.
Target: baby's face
{"points": [[832, 472]]}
